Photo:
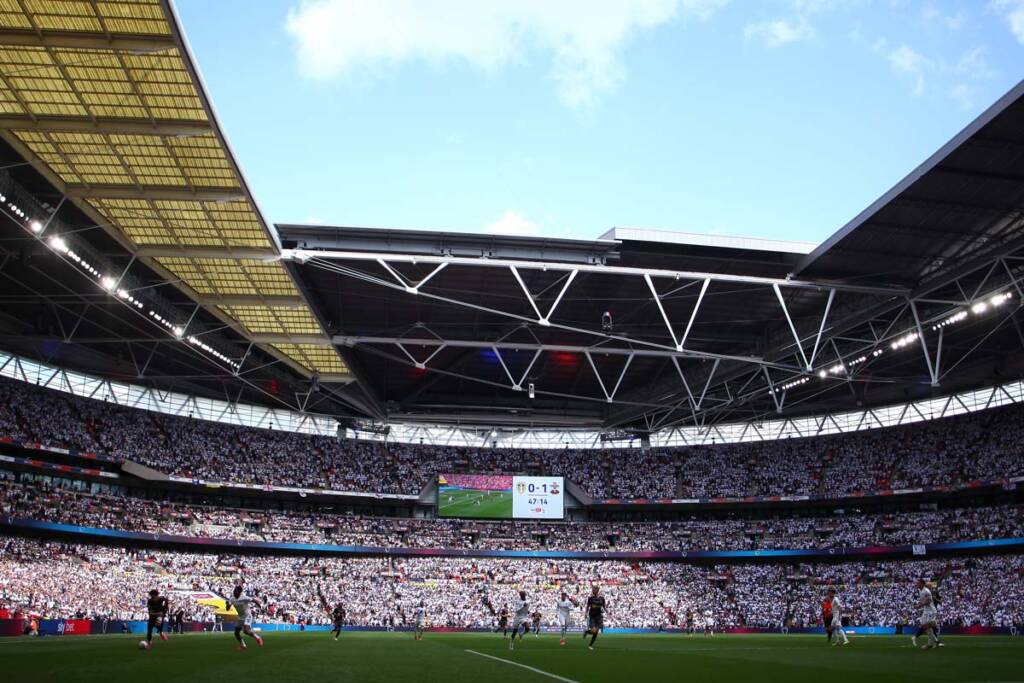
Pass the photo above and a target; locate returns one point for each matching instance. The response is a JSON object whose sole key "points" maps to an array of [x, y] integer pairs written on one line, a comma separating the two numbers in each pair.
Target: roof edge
{"points": [[709, 240], [983, 119]]}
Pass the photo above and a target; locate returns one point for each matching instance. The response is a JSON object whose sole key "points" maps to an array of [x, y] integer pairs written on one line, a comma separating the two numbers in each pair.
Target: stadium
{"points": [[396, 454]]}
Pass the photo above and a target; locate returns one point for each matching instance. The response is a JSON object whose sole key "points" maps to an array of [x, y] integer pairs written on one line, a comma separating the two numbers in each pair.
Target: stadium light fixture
{"points": [[126, 295], [979, 307], [951, 320], [791, 384], [903, 341], [58, 244], [846, 366], [85, 265], [1000, 299], [195, 341]]}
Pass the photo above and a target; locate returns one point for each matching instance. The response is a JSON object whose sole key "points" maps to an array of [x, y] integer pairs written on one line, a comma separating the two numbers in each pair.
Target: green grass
{"points": [[393, 657], [497, 505]]}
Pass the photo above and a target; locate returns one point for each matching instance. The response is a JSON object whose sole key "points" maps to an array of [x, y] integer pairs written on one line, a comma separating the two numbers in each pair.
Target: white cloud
{"points": [[974, 64], [963, 94], [814, 6], [1013, 12], [933, 15], [971, 68], [779, 32], [582, 38], [906, 61], [959, 80], [513, 223]]}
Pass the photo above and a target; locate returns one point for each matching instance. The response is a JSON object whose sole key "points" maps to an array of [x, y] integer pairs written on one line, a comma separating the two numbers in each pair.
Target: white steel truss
{"points": [[308, 255], [1001, 272], [249, 415], [334, 261], [540, 319], [776, 373]]}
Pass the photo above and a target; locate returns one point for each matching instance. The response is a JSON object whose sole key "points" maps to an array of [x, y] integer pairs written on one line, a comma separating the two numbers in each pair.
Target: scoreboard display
{"points": [[500, 496], [537, 497]]}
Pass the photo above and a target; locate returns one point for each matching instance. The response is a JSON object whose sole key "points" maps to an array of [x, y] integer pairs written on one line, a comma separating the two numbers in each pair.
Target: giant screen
{"points": [[500, 496]]}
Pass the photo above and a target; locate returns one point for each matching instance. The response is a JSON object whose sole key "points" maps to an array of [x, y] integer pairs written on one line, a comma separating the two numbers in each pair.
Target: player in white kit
{"points": [[243, 623], [928, 622], [562, 612], [521, 620], [421, 617], [837, 618]]}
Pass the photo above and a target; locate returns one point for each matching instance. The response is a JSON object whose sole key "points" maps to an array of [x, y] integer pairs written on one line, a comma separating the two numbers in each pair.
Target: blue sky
{"points": [[773, 118]]}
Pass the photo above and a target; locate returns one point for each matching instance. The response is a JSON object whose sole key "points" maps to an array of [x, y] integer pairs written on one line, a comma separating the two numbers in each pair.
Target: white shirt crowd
{"points": [[949, 452], [51, 579], [53, 503]]}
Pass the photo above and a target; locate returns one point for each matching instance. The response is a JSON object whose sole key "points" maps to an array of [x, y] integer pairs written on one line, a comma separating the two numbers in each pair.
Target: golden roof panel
{"points": [[132, 17], [274, 319], [185, 223], [100, 83], [133, 160], [231, 277], [108, 117], [321, 359]]}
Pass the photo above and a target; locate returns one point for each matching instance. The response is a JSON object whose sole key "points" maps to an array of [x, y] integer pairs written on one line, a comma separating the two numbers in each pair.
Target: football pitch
{"points": [[446, 657], [469, 503]]}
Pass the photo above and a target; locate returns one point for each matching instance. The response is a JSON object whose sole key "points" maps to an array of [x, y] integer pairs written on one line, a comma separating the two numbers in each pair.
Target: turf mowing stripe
{"points": [[523, 666]]}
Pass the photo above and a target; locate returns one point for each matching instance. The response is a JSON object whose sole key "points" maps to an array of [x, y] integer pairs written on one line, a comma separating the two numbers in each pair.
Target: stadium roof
{"points": [[110, 143], [105, 101], [704, 328]]}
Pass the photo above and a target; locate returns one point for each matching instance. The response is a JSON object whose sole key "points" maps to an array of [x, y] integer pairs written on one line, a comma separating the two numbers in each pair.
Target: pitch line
{"points": [[523, 666]]}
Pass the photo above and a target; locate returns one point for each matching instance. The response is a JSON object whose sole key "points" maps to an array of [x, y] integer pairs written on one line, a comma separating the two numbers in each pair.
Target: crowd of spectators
{"points": [[62, 581], [478, 482], [55, 503], [938, 453], [53, 579]]}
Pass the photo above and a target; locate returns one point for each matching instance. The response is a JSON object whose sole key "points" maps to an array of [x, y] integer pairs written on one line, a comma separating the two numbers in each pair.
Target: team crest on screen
{"points": [[520, 488], [554, 488]]}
